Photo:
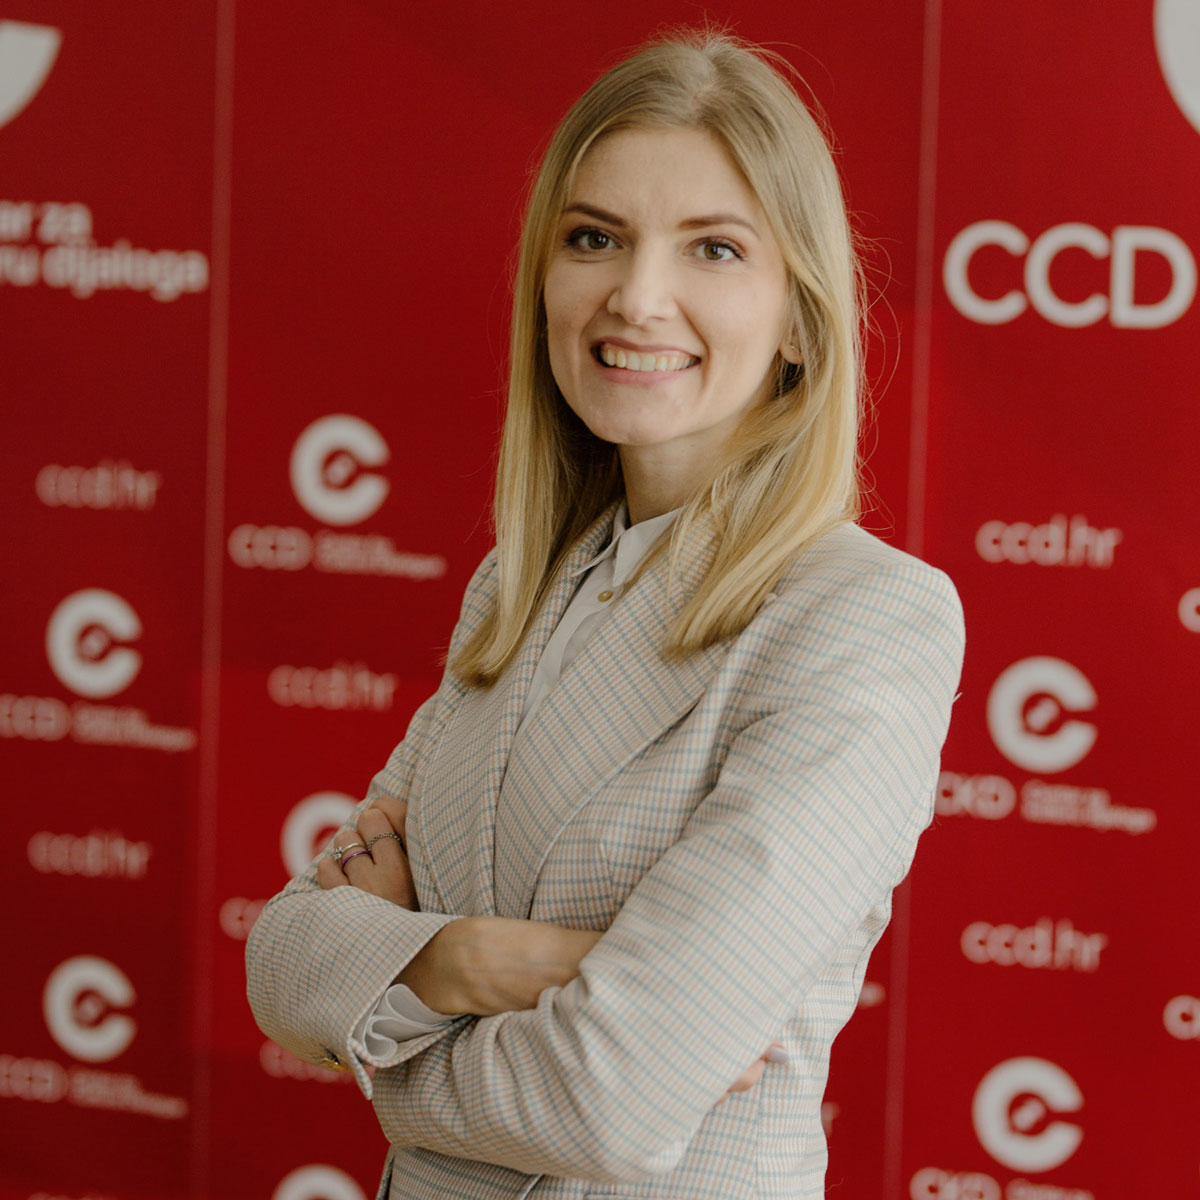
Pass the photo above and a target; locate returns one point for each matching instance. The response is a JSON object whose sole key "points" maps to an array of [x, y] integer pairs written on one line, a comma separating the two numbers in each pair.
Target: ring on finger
{"points": [[390, 834], [337, 852], [349, 857]]}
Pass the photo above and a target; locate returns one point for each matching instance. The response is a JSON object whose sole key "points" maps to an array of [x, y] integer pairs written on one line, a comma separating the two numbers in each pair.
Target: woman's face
{"points": [[666, 296]]}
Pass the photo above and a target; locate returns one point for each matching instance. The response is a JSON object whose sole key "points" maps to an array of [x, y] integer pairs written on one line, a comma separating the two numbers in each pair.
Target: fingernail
{"points": [[777, 1054]]}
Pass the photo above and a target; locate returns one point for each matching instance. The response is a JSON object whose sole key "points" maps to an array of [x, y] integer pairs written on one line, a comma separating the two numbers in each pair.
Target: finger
{"points": [[775, 1053], [356, 864], [748, 1078], [352, 857], [347, 839], [395, 810], [329, 875], [375, 828], [392, 878]]}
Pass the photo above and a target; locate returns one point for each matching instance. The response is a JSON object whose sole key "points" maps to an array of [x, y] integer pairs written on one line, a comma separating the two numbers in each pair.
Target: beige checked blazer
{"points": [[736, 822]]}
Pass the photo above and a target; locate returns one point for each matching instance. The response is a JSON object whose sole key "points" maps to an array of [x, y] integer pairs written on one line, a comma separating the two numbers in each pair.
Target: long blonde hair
{"points": [[790, 472]]}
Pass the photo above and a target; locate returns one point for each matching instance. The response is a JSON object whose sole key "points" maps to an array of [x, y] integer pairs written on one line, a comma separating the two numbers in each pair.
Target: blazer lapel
{"points": [[457, 809], [617, 697]]}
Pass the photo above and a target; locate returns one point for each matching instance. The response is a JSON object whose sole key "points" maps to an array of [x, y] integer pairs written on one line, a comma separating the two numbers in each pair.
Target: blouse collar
{"points": [[630, 543]]}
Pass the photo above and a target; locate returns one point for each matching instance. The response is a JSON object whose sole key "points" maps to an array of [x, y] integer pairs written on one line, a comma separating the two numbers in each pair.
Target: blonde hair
{"points": [[790, 472]]}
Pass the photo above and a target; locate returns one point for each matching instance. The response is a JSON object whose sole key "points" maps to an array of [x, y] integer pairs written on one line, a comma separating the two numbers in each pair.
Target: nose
{"points": [[644, 289]]}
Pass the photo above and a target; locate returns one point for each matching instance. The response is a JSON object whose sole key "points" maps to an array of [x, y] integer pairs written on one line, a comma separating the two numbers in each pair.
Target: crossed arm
{"points": [[477, 966], [818, 807]]}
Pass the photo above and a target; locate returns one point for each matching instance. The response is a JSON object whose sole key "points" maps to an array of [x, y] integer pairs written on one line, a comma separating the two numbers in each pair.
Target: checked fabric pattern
{"points": [[736, 822]]}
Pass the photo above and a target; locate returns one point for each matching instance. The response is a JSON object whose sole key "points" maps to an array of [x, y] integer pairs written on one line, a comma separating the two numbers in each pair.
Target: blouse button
{"points": [[604, 597]]}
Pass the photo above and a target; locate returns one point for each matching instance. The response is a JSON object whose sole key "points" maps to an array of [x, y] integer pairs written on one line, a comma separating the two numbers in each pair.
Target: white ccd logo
{"points": [[77, 1003], [1028, 700], [1119, 305], [326, 469], [317, 1182], [310, 825], [1015, 1110], [27, 52], [80, 637], [1177, 40]]}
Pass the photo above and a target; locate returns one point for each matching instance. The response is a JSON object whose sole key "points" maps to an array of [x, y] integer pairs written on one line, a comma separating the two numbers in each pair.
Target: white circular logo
{"points": [[317, 1182], [1177, 40], [1026, 714], [1181, 1017], [80, 637], [326, 469], [310, 825], [77, 1003], [1189, 610], [27, 52], [1015, 1111]]}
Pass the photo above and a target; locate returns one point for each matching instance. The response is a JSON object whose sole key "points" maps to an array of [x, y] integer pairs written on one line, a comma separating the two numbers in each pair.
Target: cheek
{"points": [[561, 337], [562, 316], [752, 331], [743, 342]]}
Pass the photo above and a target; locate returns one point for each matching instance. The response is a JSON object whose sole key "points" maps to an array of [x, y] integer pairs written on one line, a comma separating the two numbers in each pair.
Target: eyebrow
{"points": [[700, 222]]}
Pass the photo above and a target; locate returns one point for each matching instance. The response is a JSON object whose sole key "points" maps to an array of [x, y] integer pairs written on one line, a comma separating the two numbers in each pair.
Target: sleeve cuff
{"points": [[398, 1017]]}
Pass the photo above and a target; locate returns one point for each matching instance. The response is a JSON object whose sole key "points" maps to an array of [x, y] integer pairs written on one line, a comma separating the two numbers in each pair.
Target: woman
{"points": [[624, 885]]}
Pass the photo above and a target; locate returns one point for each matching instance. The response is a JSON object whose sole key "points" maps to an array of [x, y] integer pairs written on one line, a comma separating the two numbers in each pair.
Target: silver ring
{"points": [[356, 854], [390, 834], [337, 852]]}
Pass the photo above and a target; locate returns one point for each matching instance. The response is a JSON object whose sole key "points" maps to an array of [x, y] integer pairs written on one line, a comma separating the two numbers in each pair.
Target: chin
{"points": [[628, 434]]}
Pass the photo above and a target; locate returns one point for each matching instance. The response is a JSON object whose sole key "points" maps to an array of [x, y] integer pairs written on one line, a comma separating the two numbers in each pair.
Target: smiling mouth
{"points": [[633, 360]]}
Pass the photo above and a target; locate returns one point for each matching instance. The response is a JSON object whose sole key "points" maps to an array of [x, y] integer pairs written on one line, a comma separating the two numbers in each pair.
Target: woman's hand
{"points": [[774, 1053], [376, 860], [489, 965]]}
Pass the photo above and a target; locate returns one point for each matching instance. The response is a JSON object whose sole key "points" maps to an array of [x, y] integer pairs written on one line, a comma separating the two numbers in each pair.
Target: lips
{"points": [[611, 355]]}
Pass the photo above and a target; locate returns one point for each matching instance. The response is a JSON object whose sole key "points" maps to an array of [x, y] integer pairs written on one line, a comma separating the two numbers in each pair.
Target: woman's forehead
{"points": [[686, 172]]}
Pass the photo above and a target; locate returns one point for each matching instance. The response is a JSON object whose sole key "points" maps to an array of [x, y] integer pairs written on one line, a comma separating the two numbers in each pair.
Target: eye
{"points": [[590, 239], [715, 250]]}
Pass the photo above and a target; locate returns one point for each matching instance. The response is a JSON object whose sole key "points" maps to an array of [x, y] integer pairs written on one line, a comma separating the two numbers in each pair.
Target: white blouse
{"points": [[400, 1015]]}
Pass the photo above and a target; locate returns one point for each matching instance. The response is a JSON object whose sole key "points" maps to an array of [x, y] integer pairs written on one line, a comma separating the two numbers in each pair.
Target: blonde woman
{"points": [[602, 914]]}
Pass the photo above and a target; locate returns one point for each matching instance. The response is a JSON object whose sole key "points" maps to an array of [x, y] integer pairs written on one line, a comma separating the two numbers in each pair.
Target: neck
{"points": [[654, 484]]}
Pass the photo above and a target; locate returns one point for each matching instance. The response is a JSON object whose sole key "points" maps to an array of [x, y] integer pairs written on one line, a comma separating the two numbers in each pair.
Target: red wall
{"points": [[253, 288]]}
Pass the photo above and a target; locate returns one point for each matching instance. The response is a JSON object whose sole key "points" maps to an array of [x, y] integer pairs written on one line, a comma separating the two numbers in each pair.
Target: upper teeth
{"points": [[631, 360]]}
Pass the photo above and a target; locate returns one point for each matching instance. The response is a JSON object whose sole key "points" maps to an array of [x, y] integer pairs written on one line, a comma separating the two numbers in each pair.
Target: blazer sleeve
{"points": [[812, 821], [318, 961]]}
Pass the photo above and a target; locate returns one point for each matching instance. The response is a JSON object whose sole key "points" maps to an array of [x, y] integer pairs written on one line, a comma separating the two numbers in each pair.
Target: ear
{"points": [[791, 353]]}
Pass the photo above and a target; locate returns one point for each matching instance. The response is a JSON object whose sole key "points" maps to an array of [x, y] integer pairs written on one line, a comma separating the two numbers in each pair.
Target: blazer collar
{"points": [[617, 697], [458, 803]]}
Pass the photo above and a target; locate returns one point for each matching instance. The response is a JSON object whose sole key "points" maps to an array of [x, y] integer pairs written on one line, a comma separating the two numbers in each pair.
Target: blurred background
{"points": [[254, 285]]}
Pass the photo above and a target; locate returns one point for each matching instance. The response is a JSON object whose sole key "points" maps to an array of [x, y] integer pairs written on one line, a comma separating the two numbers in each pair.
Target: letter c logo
{"points": [[1015, 1109], [1189, 609], [77, 1003], [326, 469], [317, 1182], [79, 643], [958, 258], [1024, 705], [1182, 1018], [309, 825]]}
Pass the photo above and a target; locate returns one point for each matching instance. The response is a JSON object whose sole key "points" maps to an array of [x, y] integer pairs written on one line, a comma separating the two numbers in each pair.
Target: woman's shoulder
{"points": [[847, 556], [851, 574], [479, 594]]}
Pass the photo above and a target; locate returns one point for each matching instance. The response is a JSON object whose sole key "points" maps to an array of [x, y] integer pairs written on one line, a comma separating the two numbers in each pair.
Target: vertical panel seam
{"points": [[897, 1032], [923, 298], [205, 817]]}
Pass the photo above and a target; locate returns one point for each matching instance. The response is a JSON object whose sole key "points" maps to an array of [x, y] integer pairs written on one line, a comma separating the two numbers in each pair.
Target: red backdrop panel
{"points": [[254, 265]]}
